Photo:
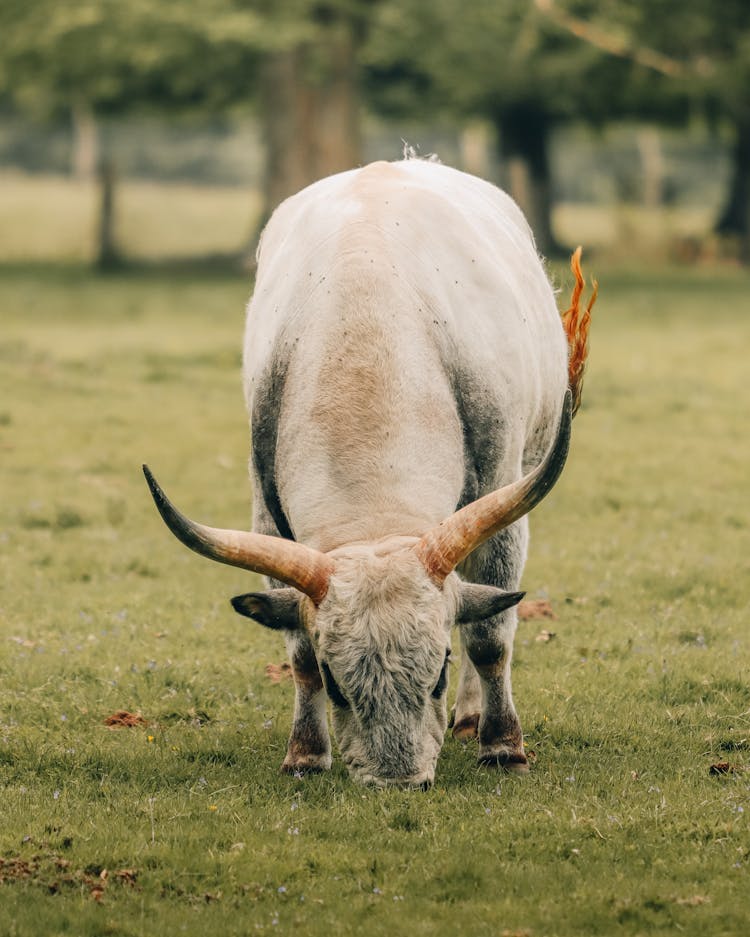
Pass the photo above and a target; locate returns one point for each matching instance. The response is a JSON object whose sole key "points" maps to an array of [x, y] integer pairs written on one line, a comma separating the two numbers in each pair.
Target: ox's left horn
{"points": [[443, 547], [293, 563]]}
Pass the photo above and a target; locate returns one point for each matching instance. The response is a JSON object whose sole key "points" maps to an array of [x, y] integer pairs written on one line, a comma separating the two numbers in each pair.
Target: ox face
{"points": [[381, 638]]}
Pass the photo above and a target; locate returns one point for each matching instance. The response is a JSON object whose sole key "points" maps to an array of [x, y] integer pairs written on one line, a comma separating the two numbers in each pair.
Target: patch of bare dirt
{"points": [[54, 874]]}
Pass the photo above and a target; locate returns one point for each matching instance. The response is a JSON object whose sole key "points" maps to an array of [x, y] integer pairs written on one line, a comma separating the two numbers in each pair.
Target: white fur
{"points": [[385, 252]]}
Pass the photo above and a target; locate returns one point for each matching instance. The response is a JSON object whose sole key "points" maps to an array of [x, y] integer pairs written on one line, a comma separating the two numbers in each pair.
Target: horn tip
{"points": [[157, 493], [151, 481]]}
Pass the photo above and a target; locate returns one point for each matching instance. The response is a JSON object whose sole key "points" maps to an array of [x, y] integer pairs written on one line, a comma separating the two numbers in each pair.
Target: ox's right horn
{"points": [[443, 547], [293, 563]]}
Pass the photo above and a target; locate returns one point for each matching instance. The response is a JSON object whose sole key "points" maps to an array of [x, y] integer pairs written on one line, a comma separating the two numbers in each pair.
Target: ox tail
{"points": [[576, 325]]}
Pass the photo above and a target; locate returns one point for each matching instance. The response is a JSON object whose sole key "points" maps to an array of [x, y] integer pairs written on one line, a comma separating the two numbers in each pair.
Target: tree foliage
{"points": [[485, 59], [124, 56], [293, 61], [501, 60], [529, 65], [686, 57]]}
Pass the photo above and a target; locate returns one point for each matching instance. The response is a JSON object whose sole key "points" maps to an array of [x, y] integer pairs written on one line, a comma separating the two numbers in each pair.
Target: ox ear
{"points": [[477, 602], [277, 609]]}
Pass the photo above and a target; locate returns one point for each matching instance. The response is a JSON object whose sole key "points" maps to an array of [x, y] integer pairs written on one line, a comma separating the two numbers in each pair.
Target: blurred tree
{"points": [[528, 65], [501, 60], [714, 47], [523, 65], [101, 59], [309, 93], [697, 58]]}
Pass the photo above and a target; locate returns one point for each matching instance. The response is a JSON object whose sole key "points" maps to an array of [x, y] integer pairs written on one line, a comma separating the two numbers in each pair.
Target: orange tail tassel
{"points": [[577, 330]]}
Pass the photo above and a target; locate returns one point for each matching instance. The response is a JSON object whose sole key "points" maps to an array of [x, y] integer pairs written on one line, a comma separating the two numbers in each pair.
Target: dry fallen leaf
{"points": [[126, 876], [545, 636], [535, 608], [693, 901], [124, 719], [12, 869], [24, 642], [724, 767], [278, 672], [721, 767]]}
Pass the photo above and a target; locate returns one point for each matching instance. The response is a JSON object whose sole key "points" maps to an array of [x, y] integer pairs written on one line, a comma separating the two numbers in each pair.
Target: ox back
{"points": [[409, 360]]}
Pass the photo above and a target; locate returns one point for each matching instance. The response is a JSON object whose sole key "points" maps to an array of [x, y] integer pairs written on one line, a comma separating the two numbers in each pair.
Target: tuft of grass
{"points": [[182, 823]]}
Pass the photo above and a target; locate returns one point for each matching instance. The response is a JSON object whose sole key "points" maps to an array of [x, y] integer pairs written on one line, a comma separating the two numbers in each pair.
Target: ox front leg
{"points": [[488, 649], [309, 748], [465, 716], [484, 701]]}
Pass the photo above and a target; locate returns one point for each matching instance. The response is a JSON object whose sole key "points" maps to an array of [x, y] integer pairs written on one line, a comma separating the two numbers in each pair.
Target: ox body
{"points": [[404, 359]]}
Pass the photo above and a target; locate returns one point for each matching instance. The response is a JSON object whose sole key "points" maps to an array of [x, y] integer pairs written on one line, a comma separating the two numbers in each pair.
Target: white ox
{"points": [[406, 373]]}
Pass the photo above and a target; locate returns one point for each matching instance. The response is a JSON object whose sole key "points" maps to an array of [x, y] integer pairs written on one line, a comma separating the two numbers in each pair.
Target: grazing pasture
{"points": [[181, 824]]}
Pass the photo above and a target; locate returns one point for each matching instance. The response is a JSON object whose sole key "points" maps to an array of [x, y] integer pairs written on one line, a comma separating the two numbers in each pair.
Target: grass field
{"points": [[184, 826]]}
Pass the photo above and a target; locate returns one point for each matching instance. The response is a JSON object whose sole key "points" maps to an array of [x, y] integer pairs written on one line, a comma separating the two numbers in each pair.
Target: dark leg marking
{"points": [[488, 645], [309, 747], [467, 727], [265, 428], [482, 426]]}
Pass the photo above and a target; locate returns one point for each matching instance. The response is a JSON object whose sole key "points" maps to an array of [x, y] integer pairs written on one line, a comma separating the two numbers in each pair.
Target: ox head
{"points": [[380, 615]]}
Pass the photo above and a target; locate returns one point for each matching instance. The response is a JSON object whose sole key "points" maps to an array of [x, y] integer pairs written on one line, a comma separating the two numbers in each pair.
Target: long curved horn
{"points": [[443, 547], [293, 563]]}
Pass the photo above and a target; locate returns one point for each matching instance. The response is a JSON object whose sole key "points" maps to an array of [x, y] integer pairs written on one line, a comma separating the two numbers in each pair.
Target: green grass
{"points": [[643, 549]]}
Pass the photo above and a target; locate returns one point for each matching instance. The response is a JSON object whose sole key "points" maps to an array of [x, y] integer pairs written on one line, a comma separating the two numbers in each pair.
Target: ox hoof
{"points": [[466, 728], [512, 761], [305, 766]]}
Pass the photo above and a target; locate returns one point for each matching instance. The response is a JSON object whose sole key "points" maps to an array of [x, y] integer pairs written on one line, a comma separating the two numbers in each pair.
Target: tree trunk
{"points": [[475, 144], [310, 115], [735, 217], [524, 133], [648, 141], [85, 156], [107, 255]]}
